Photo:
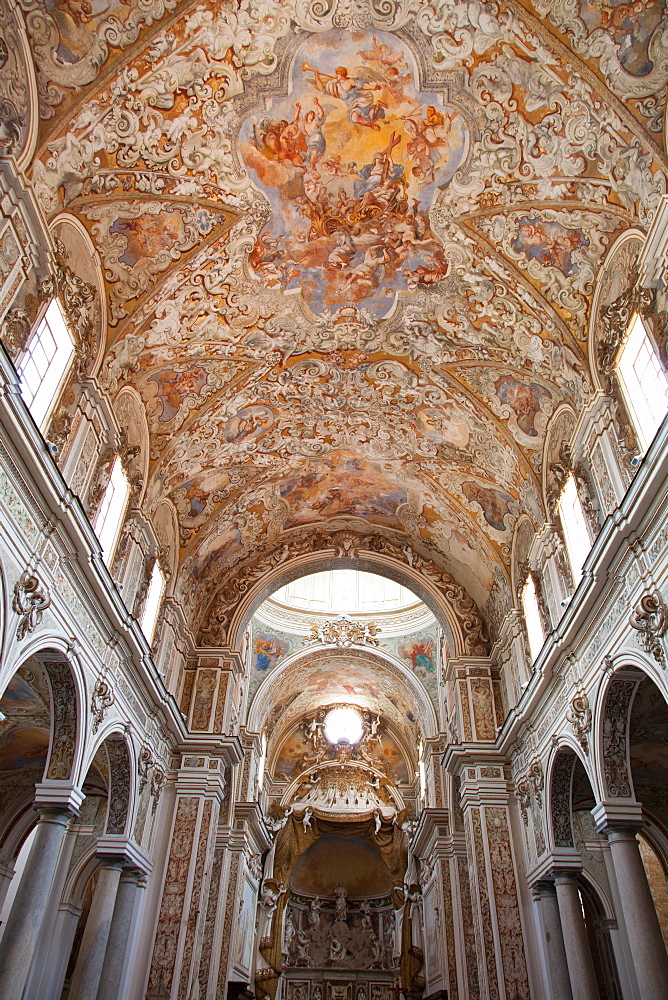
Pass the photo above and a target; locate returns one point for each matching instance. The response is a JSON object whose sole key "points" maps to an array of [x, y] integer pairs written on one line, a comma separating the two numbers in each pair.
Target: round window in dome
{"points": [[343, 725]]}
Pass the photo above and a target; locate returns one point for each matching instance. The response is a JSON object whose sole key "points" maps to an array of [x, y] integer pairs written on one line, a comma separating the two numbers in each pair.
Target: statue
{"points": [[302, 948], [376, 949], [341, 904], [314, 913], [306, 821], [337, 951], [365, 910], [288, 934]]}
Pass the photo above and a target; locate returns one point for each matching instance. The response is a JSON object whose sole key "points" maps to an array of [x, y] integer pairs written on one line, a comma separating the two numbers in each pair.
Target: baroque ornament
{"points": [[101, 700], [30, 601], [348, 544], [650, 619], [580, 718], [615, 738], [343, 631]]}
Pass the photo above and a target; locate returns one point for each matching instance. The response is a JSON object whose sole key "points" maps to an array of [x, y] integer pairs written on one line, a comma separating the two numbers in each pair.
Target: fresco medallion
{"points": [[351, 160]]}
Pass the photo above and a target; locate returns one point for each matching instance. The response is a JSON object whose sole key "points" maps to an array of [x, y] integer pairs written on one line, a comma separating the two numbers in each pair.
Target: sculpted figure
{"points": [[337, 951], [314, 913], [341, 903]]}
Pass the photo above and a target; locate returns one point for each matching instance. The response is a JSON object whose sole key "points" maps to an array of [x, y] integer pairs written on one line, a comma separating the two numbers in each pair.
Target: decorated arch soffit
{"points": [[349, 251]]}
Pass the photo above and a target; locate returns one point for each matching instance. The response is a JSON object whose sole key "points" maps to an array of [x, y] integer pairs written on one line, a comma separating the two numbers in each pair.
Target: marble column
{"points": [[642, 925], [554, 941], [576, 942], [30, 903], [119, 935], [88, 971]]}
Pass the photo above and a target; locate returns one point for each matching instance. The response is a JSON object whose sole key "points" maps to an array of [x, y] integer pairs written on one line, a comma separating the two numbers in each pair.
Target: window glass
{"points": [[532, 617], [576, 533], [149, 616], [112, 510], [44, 364], [644, 383]]}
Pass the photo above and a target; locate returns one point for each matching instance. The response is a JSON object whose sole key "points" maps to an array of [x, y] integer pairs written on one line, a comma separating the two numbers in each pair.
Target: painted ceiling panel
{"points": [[349, 251]]}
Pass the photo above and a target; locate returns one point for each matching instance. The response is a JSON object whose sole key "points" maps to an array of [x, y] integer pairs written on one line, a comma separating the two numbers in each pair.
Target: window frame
{"points": [[156, 574], [533, 619], [574, 528], [638, 402], [41, 400], [109, 545]]}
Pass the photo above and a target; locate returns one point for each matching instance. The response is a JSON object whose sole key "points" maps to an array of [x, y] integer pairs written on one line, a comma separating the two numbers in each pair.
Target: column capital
{"points": [[566, 876], [618, 816], [113, 847], [60, 796]]}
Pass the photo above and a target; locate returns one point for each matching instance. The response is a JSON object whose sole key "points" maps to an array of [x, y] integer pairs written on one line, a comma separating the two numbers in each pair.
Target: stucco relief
{"points": [[15, 104], [506, 900], [173, 897], [199, 891], [64, 724], [120, 784], [561, 799], [615, 738]]}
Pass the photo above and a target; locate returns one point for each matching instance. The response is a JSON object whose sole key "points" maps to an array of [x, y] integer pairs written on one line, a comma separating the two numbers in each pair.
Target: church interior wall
{"points": [[326, 318]]}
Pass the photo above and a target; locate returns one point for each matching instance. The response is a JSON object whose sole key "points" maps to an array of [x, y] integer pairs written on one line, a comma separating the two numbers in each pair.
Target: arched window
{"points": [[156, 588], [532, 617], [643, 381], [574, 523], [112, 511], [44, 364]]}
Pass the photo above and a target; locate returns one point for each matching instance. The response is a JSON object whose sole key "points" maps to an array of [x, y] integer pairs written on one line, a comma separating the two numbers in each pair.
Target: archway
{"points": [[38, 741], [581, 852], [95, 867]]}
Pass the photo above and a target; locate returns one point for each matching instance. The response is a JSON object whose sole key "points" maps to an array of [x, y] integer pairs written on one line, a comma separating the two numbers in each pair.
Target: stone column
{"points": [[32, 896], [86, 978], [554, 941], [642, 925], [576, 943], [119, 935]]}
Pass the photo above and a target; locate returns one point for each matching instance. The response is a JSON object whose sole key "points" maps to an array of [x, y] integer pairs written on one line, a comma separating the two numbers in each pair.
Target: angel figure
{"points": [[357, 92]]}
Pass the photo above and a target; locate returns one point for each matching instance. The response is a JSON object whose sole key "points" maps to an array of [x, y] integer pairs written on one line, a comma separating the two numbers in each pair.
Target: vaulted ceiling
{"points": [[348, 248]]}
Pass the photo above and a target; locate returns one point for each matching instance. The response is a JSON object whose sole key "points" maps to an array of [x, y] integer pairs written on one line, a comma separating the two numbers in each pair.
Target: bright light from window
{"points": [[532, 617], [343, 724], [149, 616], [44, 364], [345, 591], [576, 533], [112, 511], [644, 383]]}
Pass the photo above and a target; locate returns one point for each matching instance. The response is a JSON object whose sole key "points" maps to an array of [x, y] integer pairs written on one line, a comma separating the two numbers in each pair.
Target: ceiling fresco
{"points": [[349, 251]]}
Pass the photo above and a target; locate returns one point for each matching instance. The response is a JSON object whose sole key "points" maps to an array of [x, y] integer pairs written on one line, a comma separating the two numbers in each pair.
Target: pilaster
{"points": [[502, 964], [200, 787]]}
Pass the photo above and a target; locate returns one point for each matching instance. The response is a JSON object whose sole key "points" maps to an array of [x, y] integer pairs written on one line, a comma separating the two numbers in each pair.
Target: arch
{"points": [[612, 279], [131, 416], [43, 741], [525, 531], [18, 48], [84, 261], [556, 453], [166, 527], [456, 612], [560, 797], [264, 697], [120, 783], [612, 710]]}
